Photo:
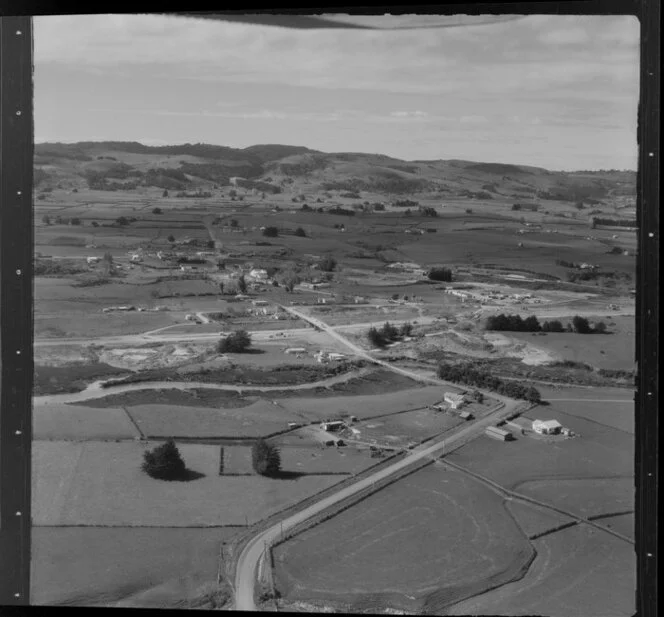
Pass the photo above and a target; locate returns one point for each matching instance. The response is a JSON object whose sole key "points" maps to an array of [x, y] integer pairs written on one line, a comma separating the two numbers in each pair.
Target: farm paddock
{"points": [[418, 545], [578, 572], [132, 567]]}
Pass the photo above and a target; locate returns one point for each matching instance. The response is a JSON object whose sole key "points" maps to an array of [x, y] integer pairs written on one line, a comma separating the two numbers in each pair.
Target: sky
{"points": [[559, 92]]}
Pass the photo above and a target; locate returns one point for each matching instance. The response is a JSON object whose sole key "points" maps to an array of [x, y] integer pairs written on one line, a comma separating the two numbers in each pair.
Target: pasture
{"points": [[534, 520], [100, 483], [578, 572], [418, 545], [257, 419], [365, 406], [58, 421], [153, 568]]}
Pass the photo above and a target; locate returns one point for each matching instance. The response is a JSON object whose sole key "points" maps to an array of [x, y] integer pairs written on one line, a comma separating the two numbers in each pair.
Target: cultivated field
{"points": [[419, 544], [578, 572], [99, 483], [132, 567]]}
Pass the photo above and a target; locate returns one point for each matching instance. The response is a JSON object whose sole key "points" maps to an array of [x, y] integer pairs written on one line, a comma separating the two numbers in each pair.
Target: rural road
{"points": [[250, 557], [245, 575], [157, 336]]}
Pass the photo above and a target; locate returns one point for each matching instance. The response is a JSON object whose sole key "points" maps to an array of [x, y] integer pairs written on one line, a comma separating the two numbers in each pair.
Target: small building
{"points": [[294, 424], [454, 400], [259, 302], [498, 433], [258, 274], [295, 350], [92, 260], [332, 426], [190, 317], [336, 356], [547, 427], [466, 415]]}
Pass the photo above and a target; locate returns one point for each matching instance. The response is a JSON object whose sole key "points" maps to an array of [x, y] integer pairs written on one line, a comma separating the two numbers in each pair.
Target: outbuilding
{"points": [[547, 427], [498, 433], [454, 400], [334, 425]]}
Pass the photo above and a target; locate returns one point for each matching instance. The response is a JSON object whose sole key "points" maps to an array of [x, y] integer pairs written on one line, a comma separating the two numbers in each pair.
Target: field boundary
{"points": [[513, 495]]}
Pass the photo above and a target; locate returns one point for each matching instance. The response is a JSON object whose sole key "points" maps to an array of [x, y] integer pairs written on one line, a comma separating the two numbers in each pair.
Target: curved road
{"points": [[245, 576]]}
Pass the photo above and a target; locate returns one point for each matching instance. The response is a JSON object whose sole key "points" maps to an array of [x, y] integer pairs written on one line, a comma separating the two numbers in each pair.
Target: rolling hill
{"points": [[275, 167]]}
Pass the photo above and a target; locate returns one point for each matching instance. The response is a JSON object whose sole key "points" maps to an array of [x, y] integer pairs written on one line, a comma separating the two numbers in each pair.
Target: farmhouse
{"points": [[547, 427], [258, 274], [92, 260], [454, 400], [334, 425], [498, 433]]}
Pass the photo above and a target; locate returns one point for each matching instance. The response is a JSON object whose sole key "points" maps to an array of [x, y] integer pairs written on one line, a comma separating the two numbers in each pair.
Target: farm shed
{"points": [[498, 433], [295, 350], [466, 415], [334, 425], [547, 427]]}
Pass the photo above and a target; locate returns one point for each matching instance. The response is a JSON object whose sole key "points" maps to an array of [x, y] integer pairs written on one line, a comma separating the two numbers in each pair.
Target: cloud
{"points": [[409, 114]]}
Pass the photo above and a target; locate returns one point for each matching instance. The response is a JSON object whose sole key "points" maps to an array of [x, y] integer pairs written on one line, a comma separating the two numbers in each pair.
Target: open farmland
{"points": [[534, 520], [132, 567], [608, 351], [365, 406], [419, 544], [73, 422], [578, 572], [260, 418], [99, 483]]}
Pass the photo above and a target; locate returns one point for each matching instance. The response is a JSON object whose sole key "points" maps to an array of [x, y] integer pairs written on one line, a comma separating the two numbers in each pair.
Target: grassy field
{"points": [[597, 405], [583, 497], [419, 544], [365, 406], [75, 422], [99, 483], [599, 452], [623, 523], [155, 568], [259, 418], [608, 351], [404, 428], [534, 520], [55, 379], [578, 572]]}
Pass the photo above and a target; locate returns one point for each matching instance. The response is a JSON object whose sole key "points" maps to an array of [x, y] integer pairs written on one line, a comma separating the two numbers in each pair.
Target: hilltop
{"points": [[276, 168]]}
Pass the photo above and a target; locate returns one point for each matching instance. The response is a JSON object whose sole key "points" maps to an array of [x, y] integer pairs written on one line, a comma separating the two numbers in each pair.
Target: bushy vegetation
{"points": [[265, 458], [595, 220], [164, 462], [440, 274], [328, 264], [271, 232], [52, 267], [388, 333], [341, 211], [406, 203], [515, 323], [300, 232], [236, 342], [467, 374]]}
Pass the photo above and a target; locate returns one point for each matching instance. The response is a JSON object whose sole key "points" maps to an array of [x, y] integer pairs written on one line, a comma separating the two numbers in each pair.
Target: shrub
{"points": [[236, 342], [158, 210], [271, 232], [581, 325], [440, 274], [265, 458], [376, 338], [164, 462], [300, 232], [328, 264], [171, 238]]}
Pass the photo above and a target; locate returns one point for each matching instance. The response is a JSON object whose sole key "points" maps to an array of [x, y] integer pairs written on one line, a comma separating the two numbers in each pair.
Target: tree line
{"points": [[380, 337], [468, 375], [516, 323]]}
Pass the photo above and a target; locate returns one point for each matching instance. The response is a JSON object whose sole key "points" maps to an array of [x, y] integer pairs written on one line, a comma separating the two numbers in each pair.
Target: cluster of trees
{"points": [[388, 333], [124, 221], [236, 342], [327, 264], [44, 267], [164, 462], [515, 323], [341, 211], [566, 264], [265, 458], [406, 203], [199, 194], [467, 374], [428, 211], [60, 220], [595, 220], [590, 275], [271, 232], [440, 274]]}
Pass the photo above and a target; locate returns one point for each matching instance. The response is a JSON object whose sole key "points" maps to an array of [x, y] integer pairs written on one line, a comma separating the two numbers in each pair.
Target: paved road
{"points": [[245, 576]]}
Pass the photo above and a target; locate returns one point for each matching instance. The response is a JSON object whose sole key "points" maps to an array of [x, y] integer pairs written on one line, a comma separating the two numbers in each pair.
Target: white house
{"points": [[454, 400], [547, 427], [334, 425], [258, 274]]}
